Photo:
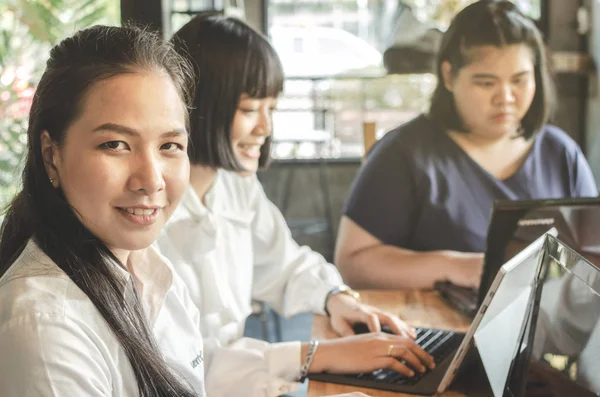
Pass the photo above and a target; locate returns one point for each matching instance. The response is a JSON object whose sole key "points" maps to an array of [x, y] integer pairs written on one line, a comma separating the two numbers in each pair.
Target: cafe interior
{"points": [[355, 70]]}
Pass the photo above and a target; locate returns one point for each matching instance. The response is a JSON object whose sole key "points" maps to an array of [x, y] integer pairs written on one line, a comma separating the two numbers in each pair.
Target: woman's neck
{"points": [[481, 141], [501, 156], [202, 179], [122, 256]]}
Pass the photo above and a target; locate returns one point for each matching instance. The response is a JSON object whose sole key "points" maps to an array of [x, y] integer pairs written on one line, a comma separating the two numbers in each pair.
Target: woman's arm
{"points": [[369, 352], [381, 214], [366, 262], [51, 355], [296, 279], [251, 367], [289, 277]]}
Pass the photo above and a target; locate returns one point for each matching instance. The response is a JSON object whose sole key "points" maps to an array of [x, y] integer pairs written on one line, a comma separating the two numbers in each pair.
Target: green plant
{"points": [[28, 29]]}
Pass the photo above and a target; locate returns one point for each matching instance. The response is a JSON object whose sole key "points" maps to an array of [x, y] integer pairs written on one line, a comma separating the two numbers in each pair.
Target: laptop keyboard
{"points": [[439, 343]]}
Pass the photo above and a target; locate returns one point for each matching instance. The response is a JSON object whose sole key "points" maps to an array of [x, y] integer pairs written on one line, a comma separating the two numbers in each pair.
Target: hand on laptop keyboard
{"points": [[369, 352], [436, 342]]}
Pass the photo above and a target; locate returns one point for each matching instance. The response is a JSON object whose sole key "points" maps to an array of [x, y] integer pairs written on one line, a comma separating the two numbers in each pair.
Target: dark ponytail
{"points": [[41, 212]]}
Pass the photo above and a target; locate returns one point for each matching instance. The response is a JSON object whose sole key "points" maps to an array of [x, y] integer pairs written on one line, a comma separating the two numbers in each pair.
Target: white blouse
{"points": [[236, 248], [54, 342]]}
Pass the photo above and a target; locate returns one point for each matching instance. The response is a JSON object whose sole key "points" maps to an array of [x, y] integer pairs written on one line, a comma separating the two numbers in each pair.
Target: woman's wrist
{"points": [[460, 267], [308, 352], [303, 351], [451, 264], [317, 364], [342, 292]]}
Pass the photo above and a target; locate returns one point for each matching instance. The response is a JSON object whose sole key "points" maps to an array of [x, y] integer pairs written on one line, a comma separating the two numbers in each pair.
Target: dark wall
{"points": [[307, 197], [572, 88], [146, 12], [593, 105]]}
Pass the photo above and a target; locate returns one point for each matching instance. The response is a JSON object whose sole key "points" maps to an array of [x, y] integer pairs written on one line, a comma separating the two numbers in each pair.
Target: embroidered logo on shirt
{"points": [[198, 360]]}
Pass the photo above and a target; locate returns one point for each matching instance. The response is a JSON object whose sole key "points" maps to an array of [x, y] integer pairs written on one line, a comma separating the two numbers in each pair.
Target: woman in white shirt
{"points": [[86, 308], [231, 244]]}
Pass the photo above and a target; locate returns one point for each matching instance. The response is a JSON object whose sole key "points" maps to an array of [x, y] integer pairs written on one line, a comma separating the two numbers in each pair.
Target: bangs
{"points": [[499, 28], [496, 23], [263, 75]]}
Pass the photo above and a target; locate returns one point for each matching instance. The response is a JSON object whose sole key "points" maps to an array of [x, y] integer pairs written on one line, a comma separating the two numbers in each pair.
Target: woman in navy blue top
{"points": [[419, 208]]}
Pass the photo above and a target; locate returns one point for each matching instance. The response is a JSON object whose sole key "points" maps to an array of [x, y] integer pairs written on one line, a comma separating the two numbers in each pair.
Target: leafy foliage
{"points": [[28, 29]]}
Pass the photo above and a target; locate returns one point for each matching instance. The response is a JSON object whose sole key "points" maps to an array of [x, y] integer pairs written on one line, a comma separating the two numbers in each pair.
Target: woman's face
{"points": [[493, 92], [252, 124], [123, 166]]}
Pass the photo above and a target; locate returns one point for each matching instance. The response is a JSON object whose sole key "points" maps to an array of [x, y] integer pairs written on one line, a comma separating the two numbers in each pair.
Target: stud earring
{"points": [[51, 180]]}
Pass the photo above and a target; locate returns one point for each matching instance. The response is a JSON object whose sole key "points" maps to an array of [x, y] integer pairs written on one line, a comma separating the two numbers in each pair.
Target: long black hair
{"points": [[41, 212], [230, 58], [496, 23]]}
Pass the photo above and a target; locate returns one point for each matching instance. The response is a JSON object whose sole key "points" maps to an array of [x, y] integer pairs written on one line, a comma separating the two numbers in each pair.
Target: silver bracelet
{"points": [[312, 349]]}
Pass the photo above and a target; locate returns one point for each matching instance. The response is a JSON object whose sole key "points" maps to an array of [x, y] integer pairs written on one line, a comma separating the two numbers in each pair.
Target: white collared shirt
{"points": [[54, 342], [236, 248]]}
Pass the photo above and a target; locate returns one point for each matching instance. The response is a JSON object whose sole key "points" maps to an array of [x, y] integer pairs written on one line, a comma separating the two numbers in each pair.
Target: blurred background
{"points": [[354, 70]]}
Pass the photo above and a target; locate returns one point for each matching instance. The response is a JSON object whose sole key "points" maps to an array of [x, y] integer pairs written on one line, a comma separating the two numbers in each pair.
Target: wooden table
{"points": [[419, 308]]}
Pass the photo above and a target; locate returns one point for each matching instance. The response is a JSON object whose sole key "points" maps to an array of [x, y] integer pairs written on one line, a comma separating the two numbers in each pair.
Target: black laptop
{"points": [[563, 323], [516, 223], [544, 299], [510, 292]]}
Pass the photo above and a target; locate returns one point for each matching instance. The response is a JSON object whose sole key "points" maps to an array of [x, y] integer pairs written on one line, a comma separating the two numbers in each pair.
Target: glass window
{"points": [[332, 54], [27, 36]]}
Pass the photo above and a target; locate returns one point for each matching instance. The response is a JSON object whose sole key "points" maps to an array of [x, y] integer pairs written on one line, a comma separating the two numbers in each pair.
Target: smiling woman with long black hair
{"points": [[86, 308]]}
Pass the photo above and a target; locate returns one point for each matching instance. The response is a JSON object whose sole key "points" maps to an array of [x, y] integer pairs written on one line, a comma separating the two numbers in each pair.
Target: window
{"points": [[23, 55], [331, 52], [181, 11]]}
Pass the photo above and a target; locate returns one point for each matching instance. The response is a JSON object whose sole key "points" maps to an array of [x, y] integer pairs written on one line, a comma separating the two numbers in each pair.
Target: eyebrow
{"points": [[491, 76], [121, 129]]}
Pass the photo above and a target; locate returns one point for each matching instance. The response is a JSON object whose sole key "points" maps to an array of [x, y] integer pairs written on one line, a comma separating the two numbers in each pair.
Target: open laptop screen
{"points": [[494, 337], [569, 319], [515, 224], [499, 334], [564, 329]]}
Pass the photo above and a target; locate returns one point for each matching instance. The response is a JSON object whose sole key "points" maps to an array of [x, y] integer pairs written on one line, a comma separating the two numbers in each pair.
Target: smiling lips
{"points": [[140, 211], [250, 150], [143, 216]]}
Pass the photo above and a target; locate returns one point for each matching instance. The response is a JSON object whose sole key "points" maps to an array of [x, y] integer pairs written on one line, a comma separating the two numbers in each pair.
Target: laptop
{"points": [[564, 325], [516, 223], [505, 306]]}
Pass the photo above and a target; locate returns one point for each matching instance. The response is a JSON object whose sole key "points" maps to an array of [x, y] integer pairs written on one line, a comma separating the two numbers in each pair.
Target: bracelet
{"points": [[342, 289], [312, 349]]}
